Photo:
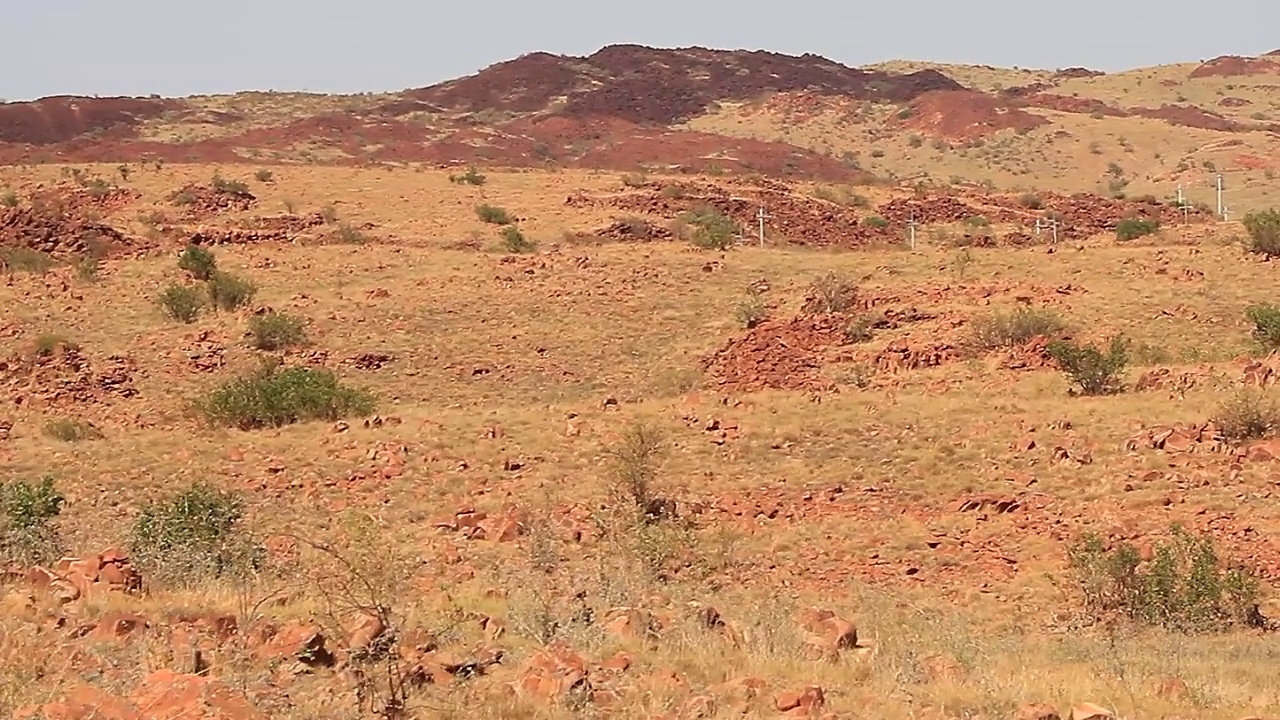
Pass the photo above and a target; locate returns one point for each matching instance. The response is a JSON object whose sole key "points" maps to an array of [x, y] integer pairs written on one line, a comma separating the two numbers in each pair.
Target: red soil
{"points": [[1234, 65], [1189, 117], [967, 115], [60, 119]]}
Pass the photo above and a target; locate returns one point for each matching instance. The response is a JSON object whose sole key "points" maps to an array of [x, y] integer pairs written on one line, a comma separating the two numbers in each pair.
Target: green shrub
{"points": [[329, 214], [1266, 324], [752, 311], [198, 262], [861, 328], [27, 535], [8, 198], [72, 430], [634, 180], [1248, 415], [196, 533], [228, 291], [470, 177], [976, 221], [26, 260], [181, 302], [274, 397], [493, 215], [831, 292], [1264, 232], [1183, 587], [1014, 328], [88, 267], [276, 331], [264, 175], [875, 221], [514, 241], [1134, 228], [709, 228], [1095, 372], [229, 187]]}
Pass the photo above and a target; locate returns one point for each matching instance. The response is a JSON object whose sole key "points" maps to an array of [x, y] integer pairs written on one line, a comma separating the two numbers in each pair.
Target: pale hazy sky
{"points": [[137, 47]]}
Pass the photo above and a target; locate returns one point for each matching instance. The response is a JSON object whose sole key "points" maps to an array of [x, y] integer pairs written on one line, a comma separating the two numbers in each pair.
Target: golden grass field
{"points": [[512, 377]]}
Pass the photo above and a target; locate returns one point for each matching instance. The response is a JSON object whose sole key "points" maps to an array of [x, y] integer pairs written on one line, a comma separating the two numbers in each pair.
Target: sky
{"points": [[139, 47]]}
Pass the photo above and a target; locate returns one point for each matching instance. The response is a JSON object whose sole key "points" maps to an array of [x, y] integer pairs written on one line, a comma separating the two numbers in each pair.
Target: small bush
{"points": [[276, 331], [72, 430], [634, 180], [976, 221], [752, 311], [27, 535], [1031, 202], [635, 458], [1134, 228], [198, 262], [329, 214], [1183, 587], [272, 397], [875, 221], [861, 329], [87, 267], [514, 241], [49, 344], [181, 303], [1014, 328], [229, 187], [1264, 232], [264, 175], [470, 177], [830, 293], [26, 260], [8, 198], [493, 215], [1248, 416], [196, 533], [1266, 324], [228, 291], [710, 228], [1095, 372], [348, 234]]}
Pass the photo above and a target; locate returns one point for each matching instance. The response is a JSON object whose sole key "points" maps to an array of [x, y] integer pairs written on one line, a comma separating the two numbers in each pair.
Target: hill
{"points": [[631, 108]]}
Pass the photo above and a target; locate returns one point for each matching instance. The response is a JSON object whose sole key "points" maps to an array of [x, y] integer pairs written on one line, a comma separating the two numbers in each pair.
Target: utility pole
{"points": [[911, 229], [761, 216], [1221, 212], [1183, 206]]}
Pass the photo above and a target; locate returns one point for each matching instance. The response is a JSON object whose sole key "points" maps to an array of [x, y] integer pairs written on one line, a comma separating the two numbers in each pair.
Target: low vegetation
{"points": [[27, 513], [1248, 415], [831, 293], [182, 302], [514, 241], [26, 260], [470, 177], [494, 215], [1264, 232], [1092, 370], [1014, 328], [273, 396], [708, 228], [72, 430], [229, 187], [752, 311], [196, 533], [228, 291], [1184, 586], [198, 262], [276, 331], [1134, 228], [1265, 319]]}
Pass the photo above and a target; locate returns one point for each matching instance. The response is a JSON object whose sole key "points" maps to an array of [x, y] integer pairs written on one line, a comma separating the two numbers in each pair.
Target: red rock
{"points": [[298, 641], [166, 695], [807, 702], [1037, 711], [1025, 443], [364, 631], [827, 634], [1089, 711], [119, 625]]}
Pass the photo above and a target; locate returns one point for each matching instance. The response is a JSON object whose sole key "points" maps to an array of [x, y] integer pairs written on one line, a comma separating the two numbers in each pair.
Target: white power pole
{"points": [[761, 216], [911, 229], [1220, 209]]}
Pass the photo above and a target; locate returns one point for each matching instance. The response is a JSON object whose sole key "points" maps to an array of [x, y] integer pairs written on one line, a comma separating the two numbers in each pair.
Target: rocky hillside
{"points": [[631, 108]]}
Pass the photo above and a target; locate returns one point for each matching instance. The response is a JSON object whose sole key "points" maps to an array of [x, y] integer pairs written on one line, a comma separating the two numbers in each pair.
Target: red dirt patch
{"points": [[1234, 65], [54, 120], [1232, 101], [1066, 103], [1077, 72], [1188, 116], [967, 115]]}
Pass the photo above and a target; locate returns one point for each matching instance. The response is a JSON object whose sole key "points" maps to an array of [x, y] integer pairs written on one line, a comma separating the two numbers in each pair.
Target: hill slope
{"points": [[631, 108]]}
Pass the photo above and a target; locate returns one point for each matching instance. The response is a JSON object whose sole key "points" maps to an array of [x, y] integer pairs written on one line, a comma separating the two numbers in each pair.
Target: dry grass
{"points": [[480, 340]]}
